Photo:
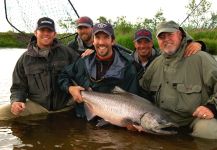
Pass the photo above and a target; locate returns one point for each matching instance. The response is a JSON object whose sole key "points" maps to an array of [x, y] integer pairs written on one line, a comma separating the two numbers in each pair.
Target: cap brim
{"points": [[41, 27], [166, 30], [101, 30], [143, 37], [84, 25]]}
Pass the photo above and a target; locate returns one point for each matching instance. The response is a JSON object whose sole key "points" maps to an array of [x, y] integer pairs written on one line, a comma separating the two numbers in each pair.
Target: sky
{"points": [[132, 10]]}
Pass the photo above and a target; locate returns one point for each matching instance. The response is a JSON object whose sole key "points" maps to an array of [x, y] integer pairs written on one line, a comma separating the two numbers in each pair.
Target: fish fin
{"points": [[117, 89], [102, 122], [138, 127], [88, 112], [130, 125]]}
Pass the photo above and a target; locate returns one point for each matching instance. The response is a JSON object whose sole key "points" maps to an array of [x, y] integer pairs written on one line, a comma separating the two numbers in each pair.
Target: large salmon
{"points": [[122, 108]]}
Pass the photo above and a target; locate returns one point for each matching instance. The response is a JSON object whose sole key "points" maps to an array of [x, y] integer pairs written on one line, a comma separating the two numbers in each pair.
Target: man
{"points": [[184, 87], [34, 87], [102, 70], [83, 42], [144, 52]]}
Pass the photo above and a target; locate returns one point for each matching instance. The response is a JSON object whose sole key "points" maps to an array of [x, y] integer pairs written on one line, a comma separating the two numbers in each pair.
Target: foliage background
{"points": [[201, 24]]}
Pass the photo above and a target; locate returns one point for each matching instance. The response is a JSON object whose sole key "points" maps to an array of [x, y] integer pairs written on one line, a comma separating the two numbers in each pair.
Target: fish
{"points": [[122, 109]]}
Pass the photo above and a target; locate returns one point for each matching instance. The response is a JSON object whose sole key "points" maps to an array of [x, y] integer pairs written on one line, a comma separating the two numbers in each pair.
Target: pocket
{"points": [[155, 91], [189, 97], [30, 70], [35, 75], [189, 89]]}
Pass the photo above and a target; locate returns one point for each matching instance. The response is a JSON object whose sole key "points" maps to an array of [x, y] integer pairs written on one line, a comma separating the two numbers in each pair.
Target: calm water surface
{"points": [[65, 132]]}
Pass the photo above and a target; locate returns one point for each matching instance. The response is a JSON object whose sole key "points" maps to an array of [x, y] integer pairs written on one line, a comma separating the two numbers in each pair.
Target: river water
{"points": [[65, 132]]}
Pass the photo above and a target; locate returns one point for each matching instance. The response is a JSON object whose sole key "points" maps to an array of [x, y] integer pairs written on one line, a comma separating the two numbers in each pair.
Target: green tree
{"points": [[68, 24], [213, 21], [102, 19], [152, 23], [158, 18], [198, 13], [122, 26]]}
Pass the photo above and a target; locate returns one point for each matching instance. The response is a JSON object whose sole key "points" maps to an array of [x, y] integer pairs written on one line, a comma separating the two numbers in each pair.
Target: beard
{"points": [[169, 48], [85, 37]]}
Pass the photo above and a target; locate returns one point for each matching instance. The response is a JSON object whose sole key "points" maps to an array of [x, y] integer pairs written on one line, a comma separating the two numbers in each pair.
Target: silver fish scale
{"points": [[123, 108]]}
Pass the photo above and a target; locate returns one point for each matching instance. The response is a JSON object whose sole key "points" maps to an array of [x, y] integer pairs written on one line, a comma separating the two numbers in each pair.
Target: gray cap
{"points": [[169, 26]]}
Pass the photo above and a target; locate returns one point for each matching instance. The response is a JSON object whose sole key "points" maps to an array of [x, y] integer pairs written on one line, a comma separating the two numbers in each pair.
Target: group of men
{"points": [[183, 86]]}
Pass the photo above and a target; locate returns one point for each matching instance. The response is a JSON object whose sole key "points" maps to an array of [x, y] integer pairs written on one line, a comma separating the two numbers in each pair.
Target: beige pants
{"points": [[204, 128], [31, 108]]}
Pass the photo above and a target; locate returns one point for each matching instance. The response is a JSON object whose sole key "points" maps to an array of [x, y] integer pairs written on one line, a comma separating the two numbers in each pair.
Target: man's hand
{"points": [[87, 52], [130, 127], [203, 113], [17, 108], [192, 49], [75, 91]]}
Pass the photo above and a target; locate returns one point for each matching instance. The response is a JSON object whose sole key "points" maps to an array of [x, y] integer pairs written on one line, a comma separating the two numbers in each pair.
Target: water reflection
{"points": [[8, 59], [7, 140], [64, 131]]}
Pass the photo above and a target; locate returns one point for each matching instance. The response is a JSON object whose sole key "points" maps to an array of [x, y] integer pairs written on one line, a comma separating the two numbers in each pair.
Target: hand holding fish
{"points": [[75, 91]]}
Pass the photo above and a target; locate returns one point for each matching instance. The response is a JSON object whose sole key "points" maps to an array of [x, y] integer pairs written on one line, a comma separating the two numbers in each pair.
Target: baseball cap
{"points": [[169, 26], [103, 27], [84, 21], [142, 34], [45, 22]]}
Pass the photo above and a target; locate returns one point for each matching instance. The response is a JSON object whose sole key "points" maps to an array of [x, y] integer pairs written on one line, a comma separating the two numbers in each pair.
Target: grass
{"points": [[18, 40]]}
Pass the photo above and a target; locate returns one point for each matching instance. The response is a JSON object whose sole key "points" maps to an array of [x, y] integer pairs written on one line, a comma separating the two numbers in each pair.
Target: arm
{"points": [[72, 54], [67, 82], [87, 52], [73, 44], [192, 48], [19, 88], [66, 77], [209, 69], [130, 82], [203, 46]]}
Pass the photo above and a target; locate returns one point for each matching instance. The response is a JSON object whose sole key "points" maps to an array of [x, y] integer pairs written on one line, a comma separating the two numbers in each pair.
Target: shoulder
{"points": [[157, 60], [202, 56], [73, 44], [27, 53], [155, 52], [154, 65], [62, 48], [123, 54]]}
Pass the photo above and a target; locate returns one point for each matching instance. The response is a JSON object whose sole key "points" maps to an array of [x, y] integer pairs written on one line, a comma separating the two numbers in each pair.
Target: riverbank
{"points": [[20, 40], [13, 40]]}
